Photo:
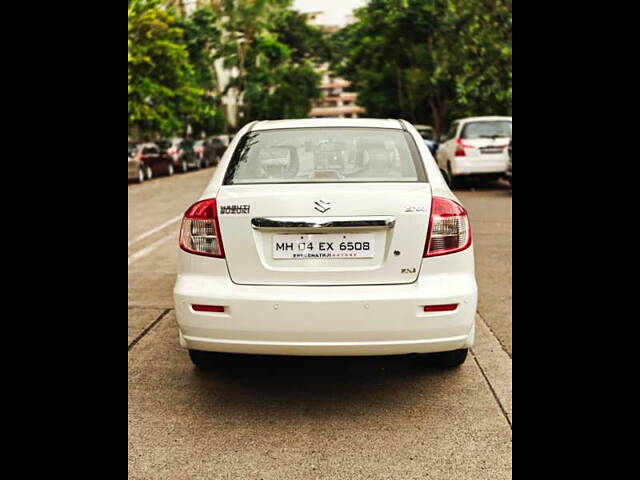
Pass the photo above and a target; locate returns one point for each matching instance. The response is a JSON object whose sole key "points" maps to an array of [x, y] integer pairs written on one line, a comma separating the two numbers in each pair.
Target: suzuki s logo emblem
{"points": [[322, 205]]}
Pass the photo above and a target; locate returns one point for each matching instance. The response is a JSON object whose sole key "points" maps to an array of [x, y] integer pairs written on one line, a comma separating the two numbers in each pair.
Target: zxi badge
{"points": [[322, 205]]}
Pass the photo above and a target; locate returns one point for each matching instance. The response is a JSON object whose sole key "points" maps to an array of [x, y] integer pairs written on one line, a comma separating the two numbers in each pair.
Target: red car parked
{"points": [[152, 160]]}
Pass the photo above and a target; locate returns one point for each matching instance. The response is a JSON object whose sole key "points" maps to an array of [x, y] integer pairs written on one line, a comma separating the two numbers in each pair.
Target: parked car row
{"points": [[165, 157]]}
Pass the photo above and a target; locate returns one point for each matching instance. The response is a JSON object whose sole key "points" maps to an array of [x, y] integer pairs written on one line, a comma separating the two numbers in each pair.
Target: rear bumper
{"points": [[329, 320], [478, 165]]}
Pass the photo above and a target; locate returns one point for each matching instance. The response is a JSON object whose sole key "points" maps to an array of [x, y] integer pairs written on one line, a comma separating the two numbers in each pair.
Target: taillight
{"points": [[449, 229], [460, 146], [200, 231]]}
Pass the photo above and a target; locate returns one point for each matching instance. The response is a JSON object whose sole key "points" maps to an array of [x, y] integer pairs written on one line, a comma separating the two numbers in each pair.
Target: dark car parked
{"points": [[209, 151], [150, 160], [181, 152]]}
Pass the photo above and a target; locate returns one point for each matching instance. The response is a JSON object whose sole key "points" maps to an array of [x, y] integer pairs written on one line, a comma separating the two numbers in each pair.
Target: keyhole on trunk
{"points": [[396, 252]]}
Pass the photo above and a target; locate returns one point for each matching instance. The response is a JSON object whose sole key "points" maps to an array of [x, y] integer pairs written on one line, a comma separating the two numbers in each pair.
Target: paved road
{"points": [[299, 418]]}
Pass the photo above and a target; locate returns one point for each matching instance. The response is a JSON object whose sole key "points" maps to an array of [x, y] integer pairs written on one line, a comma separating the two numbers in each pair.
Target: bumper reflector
{"points": [[207, 308], [440, 308]]}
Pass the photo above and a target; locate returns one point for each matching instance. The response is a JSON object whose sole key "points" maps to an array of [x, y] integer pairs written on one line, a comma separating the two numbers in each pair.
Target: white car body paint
{"points": [[365, 306]]}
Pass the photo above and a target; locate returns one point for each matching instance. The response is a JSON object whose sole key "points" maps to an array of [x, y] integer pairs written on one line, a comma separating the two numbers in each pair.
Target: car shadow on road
{"points": [[320, 385]]}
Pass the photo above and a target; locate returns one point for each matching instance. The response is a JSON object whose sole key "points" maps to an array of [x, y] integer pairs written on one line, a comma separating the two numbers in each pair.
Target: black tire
{"points": [[204, 360], [451, 179], [451, 359]]}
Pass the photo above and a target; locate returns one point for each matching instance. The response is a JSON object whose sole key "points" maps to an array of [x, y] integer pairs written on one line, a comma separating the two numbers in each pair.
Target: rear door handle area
{"points": [[314, 224]]}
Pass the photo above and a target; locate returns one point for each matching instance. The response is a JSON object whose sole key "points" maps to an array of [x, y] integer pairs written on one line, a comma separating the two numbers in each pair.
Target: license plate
{"points": [[339, 245]]}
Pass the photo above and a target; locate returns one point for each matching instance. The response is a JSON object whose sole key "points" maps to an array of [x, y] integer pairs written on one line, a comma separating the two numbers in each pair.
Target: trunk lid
{"points": [[262, 224]]}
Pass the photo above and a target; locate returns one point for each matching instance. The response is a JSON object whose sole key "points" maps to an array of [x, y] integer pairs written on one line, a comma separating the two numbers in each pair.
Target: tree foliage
{"points": [[173, 81], [162, 94], [429, 61], [424, 60], [271, 48]]}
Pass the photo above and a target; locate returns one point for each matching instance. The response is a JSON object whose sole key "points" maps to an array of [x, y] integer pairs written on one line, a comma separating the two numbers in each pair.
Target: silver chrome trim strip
{"points": [[318, 223]]}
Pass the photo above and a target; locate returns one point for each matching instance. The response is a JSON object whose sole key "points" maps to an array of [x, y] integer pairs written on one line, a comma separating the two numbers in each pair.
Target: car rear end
{"points": [[481, 147], [188, 154], [284, 255]]}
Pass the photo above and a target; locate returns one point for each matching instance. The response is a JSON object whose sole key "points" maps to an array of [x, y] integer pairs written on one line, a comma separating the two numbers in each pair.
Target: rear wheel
{"points": [[170, 169], [148, 172], [204, 360], [450, 359], [141, 175], [185, 167], [450, 178]]}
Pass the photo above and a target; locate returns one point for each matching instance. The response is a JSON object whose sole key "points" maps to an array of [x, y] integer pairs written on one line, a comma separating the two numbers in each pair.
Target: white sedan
{"points": [[327, 237], [475, 147]]}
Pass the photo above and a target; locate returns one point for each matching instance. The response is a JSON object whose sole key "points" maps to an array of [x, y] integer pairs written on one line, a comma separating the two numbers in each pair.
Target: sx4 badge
{"points": [[234, 209], [408, 270]]}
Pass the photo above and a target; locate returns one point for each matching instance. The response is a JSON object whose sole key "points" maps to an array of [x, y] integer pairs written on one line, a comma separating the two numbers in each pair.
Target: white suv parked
{"points": [[475, 147], [326, 237]]}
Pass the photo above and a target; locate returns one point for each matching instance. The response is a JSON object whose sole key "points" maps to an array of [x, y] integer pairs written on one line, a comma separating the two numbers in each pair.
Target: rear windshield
{"points": [[487, 129], [319, 155]]}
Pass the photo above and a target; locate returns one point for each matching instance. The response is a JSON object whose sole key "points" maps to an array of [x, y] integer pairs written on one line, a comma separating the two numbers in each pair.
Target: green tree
{"points": [[202, 38], [162, 95], [173, 79], [275, 79], [428, 61], [276, 86]]}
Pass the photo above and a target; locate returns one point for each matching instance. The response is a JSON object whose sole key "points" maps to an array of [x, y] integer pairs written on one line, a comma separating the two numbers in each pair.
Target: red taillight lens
{"points": [[449, 229], [460, 148], [200, 231]]}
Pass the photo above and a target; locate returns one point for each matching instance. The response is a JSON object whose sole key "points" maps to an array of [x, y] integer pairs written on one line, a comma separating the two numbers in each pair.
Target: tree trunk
{"points": [[439, 109]]}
